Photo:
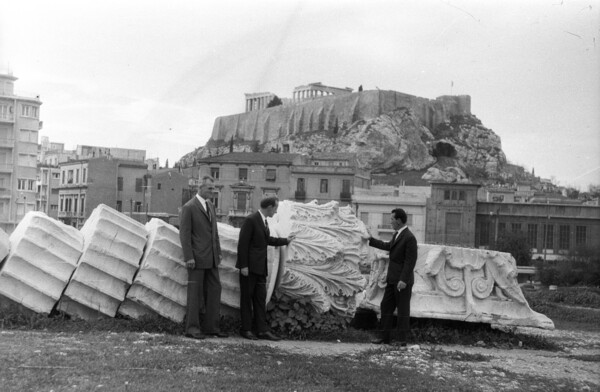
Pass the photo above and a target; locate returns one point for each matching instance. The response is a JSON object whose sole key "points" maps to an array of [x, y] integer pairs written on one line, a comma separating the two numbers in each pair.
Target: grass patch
{"points": [[588, 297], [586, 357]]}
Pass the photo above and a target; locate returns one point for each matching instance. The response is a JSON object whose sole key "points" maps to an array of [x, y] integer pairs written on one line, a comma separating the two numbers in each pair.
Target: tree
{"points": [[276, 101], [515, 244]]}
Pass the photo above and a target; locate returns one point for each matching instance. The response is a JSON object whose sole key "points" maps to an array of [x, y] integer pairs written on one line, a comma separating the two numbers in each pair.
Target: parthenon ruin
{"points": [[258, 101]]}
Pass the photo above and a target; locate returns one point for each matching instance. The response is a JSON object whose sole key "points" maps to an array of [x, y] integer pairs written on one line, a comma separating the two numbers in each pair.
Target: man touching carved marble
{"points": [[252, 263], [399, 279]]}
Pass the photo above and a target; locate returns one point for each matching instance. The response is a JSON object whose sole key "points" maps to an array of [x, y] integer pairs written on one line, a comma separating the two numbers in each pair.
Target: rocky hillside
{"points": [[460, 149]]}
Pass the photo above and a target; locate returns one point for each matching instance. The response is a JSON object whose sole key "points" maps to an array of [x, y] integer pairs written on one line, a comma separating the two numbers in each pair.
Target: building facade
{"points": [[19, 131], [84, 184], [451, 213], [47, 194], [374, 206]]}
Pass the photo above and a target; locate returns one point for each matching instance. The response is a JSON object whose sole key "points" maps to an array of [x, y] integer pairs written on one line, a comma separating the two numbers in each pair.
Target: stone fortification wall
{"points": [[324, 113]]}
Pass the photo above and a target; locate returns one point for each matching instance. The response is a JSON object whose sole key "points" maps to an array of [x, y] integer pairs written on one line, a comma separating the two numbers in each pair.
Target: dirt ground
{"points": [[500, 369]]}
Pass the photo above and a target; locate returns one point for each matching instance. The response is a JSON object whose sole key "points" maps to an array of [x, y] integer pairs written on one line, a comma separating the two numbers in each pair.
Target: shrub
{"points": [[296, 318]]}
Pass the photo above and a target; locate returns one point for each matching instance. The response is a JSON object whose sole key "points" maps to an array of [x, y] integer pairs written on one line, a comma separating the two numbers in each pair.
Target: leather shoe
{"points": [[195, 335], [248, 335], [380, 341], [269, 336], [218, 334]]}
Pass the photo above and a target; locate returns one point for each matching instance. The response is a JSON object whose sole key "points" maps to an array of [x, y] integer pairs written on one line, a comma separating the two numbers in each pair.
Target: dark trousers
{"points": [[203, 301], [253, 298], [392, 299]]}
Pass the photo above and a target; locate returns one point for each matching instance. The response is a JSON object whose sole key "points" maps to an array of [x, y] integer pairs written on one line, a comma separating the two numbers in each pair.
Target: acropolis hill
{"points": [[390, 132], [323, 113]]}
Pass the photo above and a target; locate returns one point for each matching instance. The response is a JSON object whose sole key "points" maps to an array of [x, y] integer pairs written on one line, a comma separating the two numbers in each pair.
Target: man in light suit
{"points": [[252, 263], [202, 253], [400, 279]]}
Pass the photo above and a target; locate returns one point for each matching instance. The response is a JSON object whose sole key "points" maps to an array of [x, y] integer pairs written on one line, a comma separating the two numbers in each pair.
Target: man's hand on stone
{"points": [[190, 264], [244, 271], [291, 237], [401, 285]]}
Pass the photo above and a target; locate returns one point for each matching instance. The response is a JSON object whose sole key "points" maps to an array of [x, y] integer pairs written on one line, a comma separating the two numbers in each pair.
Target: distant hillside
{"points": [[392, 144]]}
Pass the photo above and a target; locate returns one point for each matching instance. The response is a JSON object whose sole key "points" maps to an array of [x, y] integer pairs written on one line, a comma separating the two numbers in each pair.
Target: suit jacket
{"points": [[252, 245], [403, 257], [198, 235]]}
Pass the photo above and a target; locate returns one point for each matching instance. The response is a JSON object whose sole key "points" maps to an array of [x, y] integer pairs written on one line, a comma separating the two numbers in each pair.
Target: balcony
{"points": [[5, 193], [346, 196], [243, 213], [70, 214], [300, 195], [9, 117], [7, 143], [6, 168]]}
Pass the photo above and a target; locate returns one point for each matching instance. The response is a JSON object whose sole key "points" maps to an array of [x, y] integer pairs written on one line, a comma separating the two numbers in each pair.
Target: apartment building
{"points": [[19, 131]]}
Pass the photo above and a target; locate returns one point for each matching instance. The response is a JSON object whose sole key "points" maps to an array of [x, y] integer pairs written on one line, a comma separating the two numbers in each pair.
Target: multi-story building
{"points": [[552, 230], [451, 214], [19, 127], [84, 184], [47, 186], [243, 179], [327, 176], [374, 208], [165, 191]]}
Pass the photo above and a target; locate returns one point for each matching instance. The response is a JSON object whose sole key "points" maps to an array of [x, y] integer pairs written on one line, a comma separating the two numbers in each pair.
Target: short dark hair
{"points": [[399, 213], [204, 180], [268, 202]]}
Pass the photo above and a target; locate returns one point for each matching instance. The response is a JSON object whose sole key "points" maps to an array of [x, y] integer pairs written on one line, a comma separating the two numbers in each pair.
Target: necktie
{"points": [[267, 227], [394, 237], [208, 212]]}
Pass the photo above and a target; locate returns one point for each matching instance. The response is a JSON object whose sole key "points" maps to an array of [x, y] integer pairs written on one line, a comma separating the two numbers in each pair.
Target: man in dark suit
{"points": [[252, 263], [202, 253], [400, 279]]}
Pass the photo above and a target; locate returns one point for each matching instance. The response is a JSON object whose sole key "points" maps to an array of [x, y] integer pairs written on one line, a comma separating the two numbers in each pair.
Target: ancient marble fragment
{"points": [[113, 247], [43, 255], [454, 283], [322, 263], [160, 285]]}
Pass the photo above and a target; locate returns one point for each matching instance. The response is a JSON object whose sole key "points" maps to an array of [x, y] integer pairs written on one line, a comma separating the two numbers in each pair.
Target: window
{"points": [[446, 194], [158, 186], [119, 185], [138, 184], [243, 174], [532, 235], [346, 186], [286, 148], [82, 204], [119, 204], [83, 175], [580, 235], [214, 172], [56, 175], [300, 185], [21, 184], [75, 204], [461, 195], [271, 175], [548, 237], [364, 217], [63, 176], [515, 227], [563, 237], [241, 201], [138, 206], [385, 220], [77, 176], [31, 185], [454, 195], [62, 203], [324, 186], [69, 176], [29, 111], [53, 207], [484, 234], [501, 227]]}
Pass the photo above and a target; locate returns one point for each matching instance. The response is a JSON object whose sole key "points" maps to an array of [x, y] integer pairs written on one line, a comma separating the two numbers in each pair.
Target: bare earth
{"points": [[500, 371]]}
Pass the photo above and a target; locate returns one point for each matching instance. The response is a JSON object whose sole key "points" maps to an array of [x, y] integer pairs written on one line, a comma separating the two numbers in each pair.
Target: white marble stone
{"points": [[461, 284], [160, 286], [322, 263], [113, 248], [43, 255]]}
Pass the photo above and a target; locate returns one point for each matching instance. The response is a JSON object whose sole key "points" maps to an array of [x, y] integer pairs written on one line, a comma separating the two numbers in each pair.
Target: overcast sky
{"points": [[154, 75]]}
